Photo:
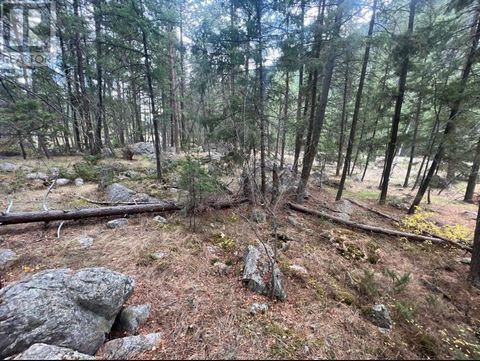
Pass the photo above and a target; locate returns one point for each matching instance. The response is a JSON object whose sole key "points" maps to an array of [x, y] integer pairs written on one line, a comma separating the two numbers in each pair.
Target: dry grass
{"points": [[202, 314]]}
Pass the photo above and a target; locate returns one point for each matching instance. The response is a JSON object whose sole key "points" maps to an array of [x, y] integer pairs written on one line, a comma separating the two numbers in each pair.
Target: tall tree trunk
{"points": [[173, 93], [456, 107], [343, 121], [261, 95], [474, 275], [148, 74], [285, 118], [300, 122], [472, 179], [414, 142], [314, 132], [81, 80], [98, 44], [301, 125], [358, 101], [71, 98], [360, 142], [402, 81], [183, 133]]}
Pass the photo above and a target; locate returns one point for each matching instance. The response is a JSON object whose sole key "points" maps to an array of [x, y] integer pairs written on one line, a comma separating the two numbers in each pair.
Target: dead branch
{"points": [[366, 227], [59, 229], [104, 203], [381, 214], [45, 206], [71, 214]]}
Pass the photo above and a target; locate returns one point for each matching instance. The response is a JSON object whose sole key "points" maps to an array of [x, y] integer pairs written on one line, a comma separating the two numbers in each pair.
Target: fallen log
{"points": [[366, 227], [73, 214], [381, 214]]}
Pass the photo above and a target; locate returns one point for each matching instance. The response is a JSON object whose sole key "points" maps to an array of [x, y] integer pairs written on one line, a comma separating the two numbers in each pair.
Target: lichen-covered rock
{"points": [[258, 216], [117, 223], [161, 220], [344, 208], [142, 148], [298, 269], [258, 308], [131, 317], [380, 316], [85, 241], [63, 308], [257, 273], [78, 182], [62, 181], [127, 347], [42, 351], [37, 175], [7, 256], [117, 193], [7, 167]]}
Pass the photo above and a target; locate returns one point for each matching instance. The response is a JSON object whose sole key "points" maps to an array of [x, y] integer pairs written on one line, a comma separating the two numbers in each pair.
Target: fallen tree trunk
{"points": [[59, 215], [72, 214], [366, 227], [381, 214]]}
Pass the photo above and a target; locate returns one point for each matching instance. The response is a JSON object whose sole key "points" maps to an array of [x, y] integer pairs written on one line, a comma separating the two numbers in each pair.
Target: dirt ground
{"points": [[203, 314]]}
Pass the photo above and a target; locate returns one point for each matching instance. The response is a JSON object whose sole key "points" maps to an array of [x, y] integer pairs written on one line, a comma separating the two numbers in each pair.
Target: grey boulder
{"points": [[127, 347], [42, 351], [78, 182], [142, 148], [63, 308], [7, 167], [6, 257], [380, 317], [62, 181], [344, 208], [117, 193], [257, 272], [131, 317], [117, 223], [37, 175]]}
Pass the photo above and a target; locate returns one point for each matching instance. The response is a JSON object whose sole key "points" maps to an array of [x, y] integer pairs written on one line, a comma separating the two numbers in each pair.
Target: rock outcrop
{"points": [[63, 308]]}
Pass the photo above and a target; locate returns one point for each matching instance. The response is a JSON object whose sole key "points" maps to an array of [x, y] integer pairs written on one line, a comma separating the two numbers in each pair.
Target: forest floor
{"points": [[203, 314]]}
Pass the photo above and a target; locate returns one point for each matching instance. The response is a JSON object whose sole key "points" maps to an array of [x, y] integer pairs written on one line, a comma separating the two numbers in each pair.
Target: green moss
{"points": [[345, 297], [351, 251]]}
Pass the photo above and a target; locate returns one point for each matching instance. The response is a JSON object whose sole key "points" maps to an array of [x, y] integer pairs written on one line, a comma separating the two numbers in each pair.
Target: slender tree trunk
{"points": [[358, 101], [314, 131], [299, 135], [472, 179], [300, 122], [402, 81], [343, 121], [261, 99], [414, 141], [455, 110], [148, 74], [474, 275], [98, 44], [360, 142], [285, 118], [173, 98]]}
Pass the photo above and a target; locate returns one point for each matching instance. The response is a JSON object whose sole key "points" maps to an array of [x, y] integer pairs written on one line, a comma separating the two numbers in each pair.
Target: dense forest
{"points": [[336, 91]]}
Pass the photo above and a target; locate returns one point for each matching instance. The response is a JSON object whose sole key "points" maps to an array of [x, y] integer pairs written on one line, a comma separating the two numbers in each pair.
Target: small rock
{"points": [[128, 347], [85, 241], [257, 273], [173, 190], [221, 268], [42, 351], [380, 316], [37, 175], [298, 269], [258, 308], [54, 172], [466, 260], [7, 256], [258, 216], [160, 220], [62, 181], [117, 223], [7, 167], [155, 256], [78, 182], [293, 221], [470, 215], [131, 317]]}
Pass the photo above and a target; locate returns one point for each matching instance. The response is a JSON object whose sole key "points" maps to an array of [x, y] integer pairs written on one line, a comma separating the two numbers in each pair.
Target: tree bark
{"points": [[414, 141], [474, 275], [472, 179], [315, 129], [455, 110], [358, 101], [402, 81]]}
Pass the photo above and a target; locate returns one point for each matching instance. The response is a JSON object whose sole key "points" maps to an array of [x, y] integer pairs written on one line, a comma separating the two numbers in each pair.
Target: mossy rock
{"points": [[351, 251], [345, 297]]}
